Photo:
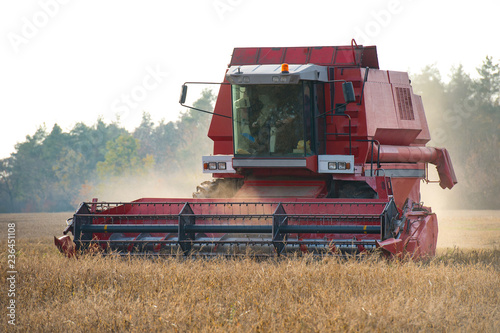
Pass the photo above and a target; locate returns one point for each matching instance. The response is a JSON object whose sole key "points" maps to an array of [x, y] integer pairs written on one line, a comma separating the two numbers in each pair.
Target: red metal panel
{"points": [[370, 58], [271, 55], [424, 136], [379, 106], [423, 240], [245, 56], [297, 55], [391, 246], [339, 144], [322, 55], [405, 188], [400, 78], [221, 130], [224, 148], [447, 178], [344, 56], [419, 240], [396, 136]]}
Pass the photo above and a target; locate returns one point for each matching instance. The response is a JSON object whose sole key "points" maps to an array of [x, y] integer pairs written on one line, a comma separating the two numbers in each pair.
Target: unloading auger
{"points": [[315, 150]]}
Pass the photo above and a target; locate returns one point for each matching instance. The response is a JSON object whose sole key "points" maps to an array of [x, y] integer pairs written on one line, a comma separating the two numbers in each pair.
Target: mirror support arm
{"points": [[183, 96]]}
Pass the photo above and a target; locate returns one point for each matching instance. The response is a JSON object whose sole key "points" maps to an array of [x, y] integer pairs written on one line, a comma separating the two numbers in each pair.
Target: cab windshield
{"points": [[272, 120]]}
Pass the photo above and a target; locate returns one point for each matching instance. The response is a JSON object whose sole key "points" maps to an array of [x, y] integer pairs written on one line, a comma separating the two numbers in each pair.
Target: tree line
{"points": [[53, 171], [464, 117]]}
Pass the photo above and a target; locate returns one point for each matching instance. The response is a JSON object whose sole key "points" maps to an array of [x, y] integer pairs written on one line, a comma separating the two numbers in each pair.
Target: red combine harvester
{"points": [[315, 150]]}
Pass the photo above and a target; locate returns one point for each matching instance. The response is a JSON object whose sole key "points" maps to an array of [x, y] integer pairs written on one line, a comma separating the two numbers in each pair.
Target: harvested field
{"points": [[456, 291]]}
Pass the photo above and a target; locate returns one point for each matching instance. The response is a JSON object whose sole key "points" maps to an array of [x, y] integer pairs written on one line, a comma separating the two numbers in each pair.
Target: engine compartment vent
{"points": [[405, 105]]}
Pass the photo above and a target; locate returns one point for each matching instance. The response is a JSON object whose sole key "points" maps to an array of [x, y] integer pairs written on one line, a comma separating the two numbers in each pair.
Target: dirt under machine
{"points": [[316, 150]]}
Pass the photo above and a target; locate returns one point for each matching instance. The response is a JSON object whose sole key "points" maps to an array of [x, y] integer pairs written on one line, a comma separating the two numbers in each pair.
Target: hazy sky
{"points": [[71, 61]]}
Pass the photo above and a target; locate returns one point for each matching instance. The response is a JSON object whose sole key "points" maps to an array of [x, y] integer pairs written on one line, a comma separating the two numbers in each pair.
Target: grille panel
{"points": [[405, 105]]}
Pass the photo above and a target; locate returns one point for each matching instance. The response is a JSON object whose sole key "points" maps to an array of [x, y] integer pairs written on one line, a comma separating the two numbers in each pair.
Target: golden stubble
{"points": [[457, 290]]}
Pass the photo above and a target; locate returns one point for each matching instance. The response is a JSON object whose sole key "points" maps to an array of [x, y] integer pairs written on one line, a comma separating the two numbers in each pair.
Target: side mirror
{"points": [[184, 90], [348, 90]]}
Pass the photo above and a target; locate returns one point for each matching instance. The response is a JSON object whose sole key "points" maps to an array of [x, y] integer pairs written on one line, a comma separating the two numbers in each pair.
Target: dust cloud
{"points": [[154, 184], [460, 228]]}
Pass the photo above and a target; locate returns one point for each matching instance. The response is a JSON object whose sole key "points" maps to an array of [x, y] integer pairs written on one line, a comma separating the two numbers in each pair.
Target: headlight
{"points": [[332, 165], [336, 164], [218, 164]]}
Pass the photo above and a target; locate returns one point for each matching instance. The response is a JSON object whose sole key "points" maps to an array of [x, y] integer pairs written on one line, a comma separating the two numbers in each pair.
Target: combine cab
{"points": [[315, 150]]}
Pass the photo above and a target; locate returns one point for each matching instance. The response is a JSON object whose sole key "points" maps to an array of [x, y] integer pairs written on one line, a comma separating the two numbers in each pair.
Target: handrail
{"points": [[371, 158], [353, 41], [340, 134]]}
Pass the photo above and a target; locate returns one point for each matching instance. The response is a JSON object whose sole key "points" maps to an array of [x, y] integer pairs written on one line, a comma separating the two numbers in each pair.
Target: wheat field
{"points": [[458, 290]]}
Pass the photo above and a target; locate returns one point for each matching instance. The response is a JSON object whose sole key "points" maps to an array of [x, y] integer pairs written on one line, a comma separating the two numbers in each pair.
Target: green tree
{"points": [[429, 85], [193, 129], [481, 141], [32, 175], [166, 139], [7, 203], [144, 134], [178, 146], [122, 158], [487, 87], [48, 170]]}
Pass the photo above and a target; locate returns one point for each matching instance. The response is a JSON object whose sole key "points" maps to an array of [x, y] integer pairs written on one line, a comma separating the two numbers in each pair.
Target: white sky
{"points": [[70, 61]]}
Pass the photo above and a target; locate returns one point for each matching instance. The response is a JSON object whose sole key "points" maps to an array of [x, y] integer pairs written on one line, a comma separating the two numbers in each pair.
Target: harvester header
{"points": [[315, 150]]}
